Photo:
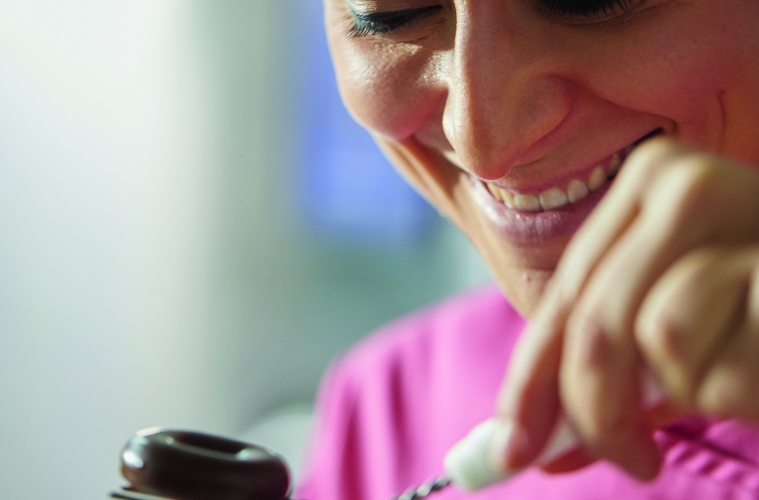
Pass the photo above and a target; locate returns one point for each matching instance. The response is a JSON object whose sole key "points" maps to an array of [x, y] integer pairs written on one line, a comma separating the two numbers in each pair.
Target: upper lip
{"points": [[520, 180]]}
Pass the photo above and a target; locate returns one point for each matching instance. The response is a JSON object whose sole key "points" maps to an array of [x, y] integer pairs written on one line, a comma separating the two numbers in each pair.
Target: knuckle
{"points": [[665, 348], [701, 264], [589, 338], [723, 392], [661, 338]]}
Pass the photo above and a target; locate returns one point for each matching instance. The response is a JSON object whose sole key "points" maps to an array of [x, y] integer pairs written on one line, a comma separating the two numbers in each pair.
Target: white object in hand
{"points": [[468, 463]]}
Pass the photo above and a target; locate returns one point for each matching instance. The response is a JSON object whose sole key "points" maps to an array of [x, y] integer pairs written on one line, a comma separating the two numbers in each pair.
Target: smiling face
{"points": [[512, 116]]}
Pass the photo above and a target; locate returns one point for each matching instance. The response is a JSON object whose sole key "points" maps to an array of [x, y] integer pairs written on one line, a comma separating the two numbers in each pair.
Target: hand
{"points": [[664, 275]]}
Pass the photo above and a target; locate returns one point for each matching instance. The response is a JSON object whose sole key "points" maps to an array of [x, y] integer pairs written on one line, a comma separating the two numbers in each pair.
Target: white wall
{"points": [[107, 216], [151, 269]]}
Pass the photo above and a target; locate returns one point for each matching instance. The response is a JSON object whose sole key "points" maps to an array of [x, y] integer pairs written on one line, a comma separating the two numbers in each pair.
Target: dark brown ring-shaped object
{"points": [[186, 465]]}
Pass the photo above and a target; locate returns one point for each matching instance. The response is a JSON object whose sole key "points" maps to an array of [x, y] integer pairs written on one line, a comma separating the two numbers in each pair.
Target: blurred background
{"points": [[191, 228]]}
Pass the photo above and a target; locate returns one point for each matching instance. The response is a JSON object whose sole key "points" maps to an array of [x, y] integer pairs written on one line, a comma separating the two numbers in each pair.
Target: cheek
{"points": [[681, 65], [699, 98], [392, 92]]}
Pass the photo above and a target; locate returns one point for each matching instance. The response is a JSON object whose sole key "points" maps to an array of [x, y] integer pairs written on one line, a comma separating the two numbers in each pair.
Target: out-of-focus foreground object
{"points": [[186, 465]]}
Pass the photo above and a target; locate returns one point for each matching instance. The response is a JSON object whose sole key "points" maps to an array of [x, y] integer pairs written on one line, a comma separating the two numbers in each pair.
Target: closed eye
{"points": [[377, 23], [586, 8]]}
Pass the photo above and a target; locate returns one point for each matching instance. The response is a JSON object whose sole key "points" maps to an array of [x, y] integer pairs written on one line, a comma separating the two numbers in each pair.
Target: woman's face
{"points": [[511, 116]]}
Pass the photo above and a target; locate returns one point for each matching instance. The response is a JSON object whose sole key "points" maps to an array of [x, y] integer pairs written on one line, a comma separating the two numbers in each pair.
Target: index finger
{"points": [[529, 400]]}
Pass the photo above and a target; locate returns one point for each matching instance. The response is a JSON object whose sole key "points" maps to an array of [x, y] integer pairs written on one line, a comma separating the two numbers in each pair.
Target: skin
{"points": [[663, 273]]}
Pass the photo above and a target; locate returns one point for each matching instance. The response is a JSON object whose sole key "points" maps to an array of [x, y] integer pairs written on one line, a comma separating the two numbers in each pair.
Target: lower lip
{"points": [[529, 228]]}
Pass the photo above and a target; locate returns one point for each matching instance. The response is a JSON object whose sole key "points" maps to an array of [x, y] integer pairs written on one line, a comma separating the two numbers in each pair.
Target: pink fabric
{"points": [[392, 406]]}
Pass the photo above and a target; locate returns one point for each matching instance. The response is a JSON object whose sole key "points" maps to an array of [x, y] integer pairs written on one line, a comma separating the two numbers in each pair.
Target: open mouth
{"points": [[574, 190]]}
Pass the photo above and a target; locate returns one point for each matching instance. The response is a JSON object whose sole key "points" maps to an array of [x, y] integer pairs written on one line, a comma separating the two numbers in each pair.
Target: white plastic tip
{"points": [[468, 462]]}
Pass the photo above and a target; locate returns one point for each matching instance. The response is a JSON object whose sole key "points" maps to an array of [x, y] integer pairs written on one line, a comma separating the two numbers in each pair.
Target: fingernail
{"points": [[508, 446]]}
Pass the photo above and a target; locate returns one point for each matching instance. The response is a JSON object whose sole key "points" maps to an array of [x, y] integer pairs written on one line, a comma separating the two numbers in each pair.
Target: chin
{"points": [[521, 271], [524, 288]]}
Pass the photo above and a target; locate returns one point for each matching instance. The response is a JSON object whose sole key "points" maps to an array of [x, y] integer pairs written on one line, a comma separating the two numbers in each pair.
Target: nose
{"points": [[504, 93]]}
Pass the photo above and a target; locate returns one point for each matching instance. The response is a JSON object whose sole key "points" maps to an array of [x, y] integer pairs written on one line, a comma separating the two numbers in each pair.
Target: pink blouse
{"points": [[390, 409]]}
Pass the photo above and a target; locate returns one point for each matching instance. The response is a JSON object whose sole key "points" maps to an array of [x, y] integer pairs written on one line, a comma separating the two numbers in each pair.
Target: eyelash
{"points": [[585, 8], [378, 23]]}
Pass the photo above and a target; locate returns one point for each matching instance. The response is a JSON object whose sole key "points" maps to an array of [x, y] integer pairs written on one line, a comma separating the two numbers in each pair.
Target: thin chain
{"points": [[422, 491], [426, 489]]}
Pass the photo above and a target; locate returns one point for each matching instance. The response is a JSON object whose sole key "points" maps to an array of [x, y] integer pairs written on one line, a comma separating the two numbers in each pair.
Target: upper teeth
{"points": [[556, 197]]}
